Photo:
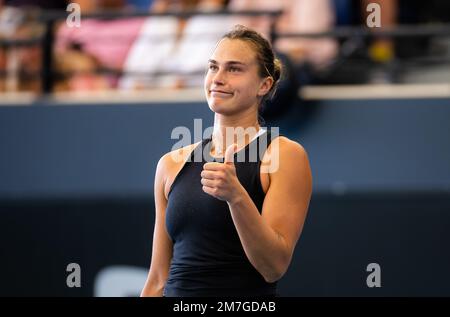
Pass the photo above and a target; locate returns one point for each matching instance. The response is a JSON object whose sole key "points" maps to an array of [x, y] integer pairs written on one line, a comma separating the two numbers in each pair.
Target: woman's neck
{"points": [[232, 130]]}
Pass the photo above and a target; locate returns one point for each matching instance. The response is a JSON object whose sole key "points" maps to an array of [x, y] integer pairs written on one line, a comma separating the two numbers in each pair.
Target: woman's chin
{"points": [[218, 106]]}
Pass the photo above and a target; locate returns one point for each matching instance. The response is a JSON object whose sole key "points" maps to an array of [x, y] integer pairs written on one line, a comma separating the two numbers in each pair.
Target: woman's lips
{"points": [[220, 94]]}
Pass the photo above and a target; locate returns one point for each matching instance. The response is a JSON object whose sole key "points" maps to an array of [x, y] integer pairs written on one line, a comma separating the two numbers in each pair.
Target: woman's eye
{"points": [[234, 69], [212, 67]]}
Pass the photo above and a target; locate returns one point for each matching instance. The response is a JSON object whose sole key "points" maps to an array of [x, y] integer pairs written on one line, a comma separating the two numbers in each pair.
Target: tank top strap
{"points": [[197, 152]]}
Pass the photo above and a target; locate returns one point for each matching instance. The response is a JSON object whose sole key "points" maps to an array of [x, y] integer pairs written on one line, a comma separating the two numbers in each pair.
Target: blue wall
{"points": [[76, 185], [110, 150]]}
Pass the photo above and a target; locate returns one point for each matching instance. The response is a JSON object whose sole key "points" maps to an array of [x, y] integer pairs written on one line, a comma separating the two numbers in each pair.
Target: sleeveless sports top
{"points": [[208, 257]]}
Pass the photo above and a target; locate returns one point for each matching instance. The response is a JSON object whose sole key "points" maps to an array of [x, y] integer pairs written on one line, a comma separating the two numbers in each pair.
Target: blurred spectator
{"points": [[2, 50], [106, 40], [140, 4], [20, 65], [200, 35], [78, 71], [400, 12], [299, 16], [382, 48], [172, 52], [156, 41]]}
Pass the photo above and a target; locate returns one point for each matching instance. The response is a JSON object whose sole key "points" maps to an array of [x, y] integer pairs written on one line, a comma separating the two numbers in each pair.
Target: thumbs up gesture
{"points": [[219, 179]]}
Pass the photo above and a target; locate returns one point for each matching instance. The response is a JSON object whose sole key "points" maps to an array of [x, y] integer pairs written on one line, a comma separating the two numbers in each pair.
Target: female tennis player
{"points": [[226, 226]]}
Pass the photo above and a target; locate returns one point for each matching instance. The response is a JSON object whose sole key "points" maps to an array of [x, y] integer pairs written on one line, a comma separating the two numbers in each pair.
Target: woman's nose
{"points": [[219, 78]]}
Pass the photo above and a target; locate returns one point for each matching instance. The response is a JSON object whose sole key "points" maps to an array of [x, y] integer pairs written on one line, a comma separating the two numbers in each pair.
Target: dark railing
{"points": [[395, 32]]}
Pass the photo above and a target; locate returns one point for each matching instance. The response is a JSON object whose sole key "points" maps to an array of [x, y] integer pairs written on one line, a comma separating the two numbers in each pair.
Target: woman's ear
{"points": [[265, 86]]}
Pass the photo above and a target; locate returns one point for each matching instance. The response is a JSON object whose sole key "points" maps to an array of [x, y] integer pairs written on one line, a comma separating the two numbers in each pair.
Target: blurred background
{"points": [[87, 110]]}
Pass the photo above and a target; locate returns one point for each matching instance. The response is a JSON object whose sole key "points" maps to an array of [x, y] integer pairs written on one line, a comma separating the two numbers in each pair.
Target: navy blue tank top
{"points": [[208, 257]]}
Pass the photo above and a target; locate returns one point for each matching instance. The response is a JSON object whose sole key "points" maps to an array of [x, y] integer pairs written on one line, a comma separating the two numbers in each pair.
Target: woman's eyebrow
{"points": [[228, 62]]}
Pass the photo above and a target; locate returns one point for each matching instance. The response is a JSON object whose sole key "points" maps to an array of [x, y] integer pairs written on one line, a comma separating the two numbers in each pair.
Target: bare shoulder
{"points": [[170, 164], [284, 153], [177, 156], [289, 146]]}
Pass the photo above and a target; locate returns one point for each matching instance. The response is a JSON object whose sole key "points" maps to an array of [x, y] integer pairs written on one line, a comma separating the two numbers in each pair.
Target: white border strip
{"points": [[118, 97], [403, 91], [17, 98]]}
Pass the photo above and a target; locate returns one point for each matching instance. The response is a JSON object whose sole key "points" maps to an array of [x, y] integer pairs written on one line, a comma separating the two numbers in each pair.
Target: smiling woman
{"points": [[256, 62], [225, 227]]}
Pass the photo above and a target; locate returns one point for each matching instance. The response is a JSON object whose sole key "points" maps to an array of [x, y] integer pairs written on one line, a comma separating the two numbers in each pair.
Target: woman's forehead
{"points": [[234, 50]]}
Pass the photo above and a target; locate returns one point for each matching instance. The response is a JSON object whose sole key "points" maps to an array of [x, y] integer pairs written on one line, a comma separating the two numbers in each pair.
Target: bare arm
{"points": [[162, 244], [269, 238]]}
